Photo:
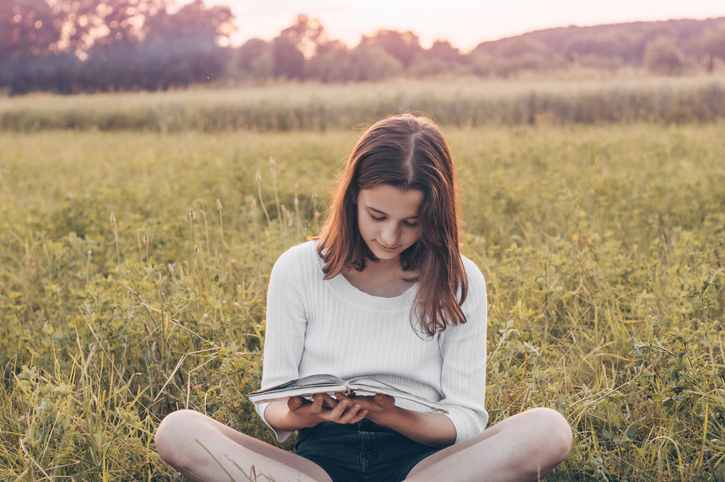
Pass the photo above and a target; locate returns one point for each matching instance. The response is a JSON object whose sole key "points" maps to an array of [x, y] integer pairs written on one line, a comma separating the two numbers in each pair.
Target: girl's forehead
{"points": [[392, 201]]}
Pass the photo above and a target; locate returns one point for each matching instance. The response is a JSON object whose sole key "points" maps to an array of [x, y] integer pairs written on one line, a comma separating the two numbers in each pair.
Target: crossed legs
{"points": [[180, 437], [525, 446]]}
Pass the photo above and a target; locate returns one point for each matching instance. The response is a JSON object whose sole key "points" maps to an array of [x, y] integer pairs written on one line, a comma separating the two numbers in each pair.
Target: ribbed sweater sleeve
{"points": [[463, 348], [285, 327]]}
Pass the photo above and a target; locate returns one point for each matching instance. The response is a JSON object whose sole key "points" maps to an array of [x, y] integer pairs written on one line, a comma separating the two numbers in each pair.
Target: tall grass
{"points": [[602, 247], [312, 107]]}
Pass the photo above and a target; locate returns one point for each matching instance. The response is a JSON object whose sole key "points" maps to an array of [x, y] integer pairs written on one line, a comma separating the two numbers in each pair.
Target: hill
{"points": [[672, 46], [145, 45]]}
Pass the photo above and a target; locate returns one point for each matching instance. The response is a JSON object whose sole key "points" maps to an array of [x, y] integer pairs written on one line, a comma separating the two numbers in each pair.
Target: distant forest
{"points": [[73, 46]]}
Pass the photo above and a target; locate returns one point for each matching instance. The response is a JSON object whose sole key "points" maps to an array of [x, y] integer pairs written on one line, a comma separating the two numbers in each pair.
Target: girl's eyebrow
{"points": [[385, 214]]}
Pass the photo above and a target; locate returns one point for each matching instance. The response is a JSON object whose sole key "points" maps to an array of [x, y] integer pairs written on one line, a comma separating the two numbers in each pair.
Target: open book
{"points": [[351, 387]]}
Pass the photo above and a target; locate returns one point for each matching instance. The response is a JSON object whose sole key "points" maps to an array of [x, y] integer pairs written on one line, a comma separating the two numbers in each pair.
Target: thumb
{"points": [[384, 401], [294, 403]]}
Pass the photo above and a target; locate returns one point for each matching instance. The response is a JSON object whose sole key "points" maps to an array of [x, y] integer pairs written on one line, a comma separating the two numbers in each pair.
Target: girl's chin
{"points": [[386, 256], [381, 253]]}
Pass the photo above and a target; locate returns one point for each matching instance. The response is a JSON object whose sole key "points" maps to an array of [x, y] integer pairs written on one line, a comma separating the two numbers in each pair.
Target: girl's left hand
{"points": [[378, 404]]}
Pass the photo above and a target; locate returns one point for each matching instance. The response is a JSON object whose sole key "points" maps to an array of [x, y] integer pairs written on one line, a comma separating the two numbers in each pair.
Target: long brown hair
{"points": [[409, 153]]}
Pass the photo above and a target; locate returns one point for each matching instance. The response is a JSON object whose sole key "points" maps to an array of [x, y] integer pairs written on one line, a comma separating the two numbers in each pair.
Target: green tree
{"points": [[295, 45], [711, 46], [331, 63], [443, 50], [403, 46], [441, 58], [594, 44], [663, 56], [253, 60], [178, 49], [373, 63], [28, 28], [83, 25]]}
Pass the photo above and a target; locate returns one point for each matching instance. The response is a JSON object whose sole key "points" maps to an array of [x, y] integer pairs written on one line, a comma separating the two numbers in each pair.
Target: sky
{"points": [[465, 23]]}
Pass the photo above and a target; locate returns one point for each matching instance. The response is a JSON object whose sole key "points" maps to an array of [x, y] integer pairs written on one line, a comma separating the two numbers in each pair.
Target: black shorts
{"points": [[361, 452]]}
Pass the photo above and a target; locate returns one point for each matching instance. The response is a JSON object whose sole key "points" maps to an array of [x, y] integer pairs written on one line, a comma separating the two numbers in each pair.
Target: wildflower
{"points": [[258, 176], [271, 162], [218, 205], [201, 206], [191, 214], [113, 220], [145, 239]]}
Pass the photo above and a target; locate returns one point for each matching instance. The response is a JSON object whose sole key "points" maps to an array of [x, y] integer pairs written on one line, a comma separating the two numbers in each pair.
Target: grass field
{"points": [[320, 107], [602, 247]]}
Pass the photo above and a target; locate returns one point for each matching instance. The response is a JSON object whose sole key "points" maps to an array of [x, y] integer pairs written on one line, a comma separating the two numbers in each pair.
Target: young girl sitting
{"points": [[383, 291]]}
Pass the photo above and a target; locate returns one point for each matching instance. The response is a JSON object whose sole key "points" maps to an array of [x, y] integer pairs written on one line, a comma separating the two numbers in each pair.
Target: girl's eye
{"points": [[382, 218]]}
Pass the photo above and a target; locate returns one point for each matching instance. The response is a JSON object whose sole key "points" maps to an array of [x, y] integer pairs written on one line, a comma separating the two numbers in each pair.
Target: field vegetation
{"points": [[134, 265], [316, 107]]}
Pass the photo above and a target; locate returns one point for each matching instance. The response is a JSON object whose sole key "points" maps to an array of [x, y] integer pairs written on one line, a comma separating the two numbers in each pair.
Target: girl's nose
{"points": [[389, 235]]}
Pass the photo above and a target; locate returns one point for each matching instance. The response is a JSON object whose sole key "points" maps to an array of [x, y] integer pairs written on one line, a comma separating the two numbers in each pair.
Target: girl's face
{"points": [[388, 219]]}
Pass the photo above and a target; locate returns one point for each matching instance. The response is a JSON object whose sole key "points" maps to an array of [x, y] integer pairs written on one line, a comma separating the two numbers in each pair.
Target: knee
{"points": [[172, 432], [558, 434]]}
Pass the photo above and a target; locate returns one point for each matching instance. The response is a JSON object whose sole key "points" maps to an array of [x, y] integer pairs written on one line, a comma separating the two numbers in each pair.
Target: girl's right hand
{"points": [[324, 408]]}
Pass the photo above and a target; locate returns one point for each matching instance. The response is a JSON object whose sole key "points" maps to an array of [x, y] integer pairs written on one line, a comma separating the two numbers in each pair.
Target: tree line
{"points": [[69, 46]]}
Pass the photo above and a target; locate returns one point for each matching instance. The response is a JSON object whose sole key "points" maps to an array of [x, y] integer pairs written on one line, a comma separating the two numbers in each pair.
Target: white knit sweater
{"points": [[316, 326]]}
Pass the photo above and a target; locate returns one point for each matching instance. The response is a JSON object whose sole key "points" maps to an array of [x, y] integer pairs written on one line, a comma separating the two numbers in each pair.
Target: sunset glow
{"points": [[464, 22]]}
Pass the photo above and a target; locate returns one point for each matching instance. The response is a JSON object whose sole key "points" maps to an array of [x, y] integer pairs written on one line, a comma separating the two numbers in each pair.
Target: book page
{"points": [[310, 381]]}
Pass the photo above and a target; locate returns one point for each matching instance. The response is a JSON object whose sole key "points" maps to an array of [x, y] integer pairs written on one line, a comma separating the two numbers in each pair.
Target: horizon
{"points": [[464, 23]]}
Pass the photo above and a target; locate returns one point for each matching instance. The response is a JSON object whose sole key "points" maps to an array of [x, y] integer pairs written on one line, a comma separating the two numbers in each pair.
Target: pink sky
{"points": [[463, 22]]}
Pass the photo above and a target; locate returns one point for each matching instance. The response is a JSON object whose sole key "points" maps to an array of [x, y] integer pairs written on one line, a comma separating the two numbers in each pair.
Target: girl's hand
{"points": [[432, 429], [378, 408], [324, 408], [378, 403]]}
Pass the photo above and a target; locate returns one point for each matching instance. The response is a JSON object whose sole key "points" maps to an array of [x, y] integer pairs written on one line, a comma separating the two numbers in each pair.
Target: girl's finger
{"points": [[350, 414], [329, 402], [339, 409], [341, 396], [360, 415], [294, 403], [385, 401], [316, 404]]}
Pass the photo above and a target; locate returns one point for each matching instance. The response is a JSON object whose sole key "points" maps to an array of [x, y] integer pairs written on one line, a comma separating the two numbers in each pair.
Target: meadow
{"points": [[320, 107], [134, 264]]}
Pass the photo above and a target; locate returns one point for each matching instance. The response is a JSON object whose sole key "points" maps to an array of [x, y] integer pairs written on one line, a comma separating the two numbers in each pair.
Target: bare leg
{"points": [[191, 441], [526, 446]]}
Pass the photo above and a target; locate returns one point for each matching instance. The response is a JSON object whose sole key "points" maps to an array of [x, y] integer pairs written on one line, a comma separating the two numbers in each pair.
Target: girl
{"points": [[383, 291]]}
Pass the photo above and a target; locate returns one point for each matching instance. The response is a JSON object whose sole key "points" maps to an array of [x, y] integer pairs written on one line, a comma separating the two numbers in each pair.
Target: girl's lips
{"points": [[386, 248]]}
